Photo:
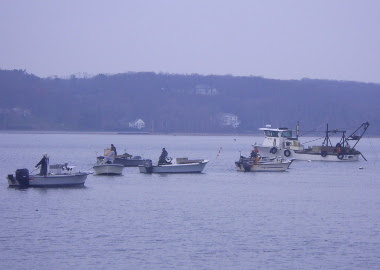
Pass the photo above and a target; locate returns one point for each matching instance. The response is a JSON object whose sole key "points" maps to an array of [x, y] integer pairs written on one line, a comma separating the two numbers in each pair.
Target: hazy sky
{"points": [[324, 39]]}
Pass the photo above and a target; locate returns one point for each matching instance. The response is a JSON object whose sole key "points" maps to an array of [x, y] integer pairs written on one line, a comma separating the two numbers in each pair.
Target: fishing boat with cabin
{"points": [[280, 142]]}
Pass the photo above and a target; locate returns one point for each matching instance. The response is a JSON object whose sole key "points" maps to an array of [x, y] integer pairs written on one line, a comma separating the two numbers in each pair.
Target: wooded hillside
{"points": [[182, 103]]}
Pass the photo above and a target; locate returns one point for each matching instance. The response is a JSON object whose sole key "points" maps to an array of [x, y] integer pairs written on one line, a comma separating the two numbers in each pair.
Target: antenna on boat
{"points": [[298, 129]]}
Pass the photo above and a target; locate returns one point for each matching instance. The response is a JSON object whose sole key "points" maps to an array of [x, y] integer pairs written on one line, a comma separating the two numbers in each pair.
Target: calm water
{"points": [[315, 216]]}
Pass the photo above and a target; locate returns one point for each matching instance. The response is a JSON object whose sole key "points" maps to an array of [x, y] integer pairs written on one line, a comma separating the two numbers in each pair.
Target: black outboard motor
{"points": [[11, 178], [246, 166], [148, 165], [22, 177]]}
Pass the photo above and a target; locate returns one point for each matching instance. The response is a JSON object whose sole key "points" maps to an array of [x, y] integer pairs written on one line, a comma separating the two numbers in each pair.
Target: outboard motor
{"points": [[246, 166], [148, 165], [22, 177], [11, 178]]}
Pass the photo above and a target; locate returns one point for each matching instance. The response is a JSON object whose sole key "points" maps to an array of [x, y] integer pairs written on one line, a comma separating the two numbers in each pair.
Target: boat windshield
{"points": [[271, 133], [287, 134]]}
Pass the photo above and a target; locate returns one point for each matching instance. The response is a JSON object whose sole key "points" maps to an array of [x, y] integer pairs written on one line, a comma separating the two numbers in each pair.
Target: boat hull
{"points": [[328, 157], [108, 169], [77, 179], [175, 168], [263, 166], [129, 162], [307, 155]]}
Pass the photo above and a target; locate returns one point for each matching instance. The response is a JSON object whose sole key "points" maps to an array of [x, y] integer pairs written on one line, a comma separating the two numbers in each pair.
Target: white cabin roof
{"points": [[274, 129]]}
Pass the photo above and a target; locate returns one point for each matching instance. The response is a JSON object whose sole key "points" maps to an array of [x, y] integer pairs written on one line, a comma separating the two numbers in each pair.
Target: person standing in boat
{"points": [[163, 156], [338, 148], [113, 148], [44, 163]]}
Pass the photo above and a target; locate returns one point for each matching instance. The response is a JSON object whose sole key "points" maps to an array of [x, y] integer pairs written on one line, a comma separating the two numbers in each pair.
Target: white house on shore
{"points": [[138, 124], [229, 119]]}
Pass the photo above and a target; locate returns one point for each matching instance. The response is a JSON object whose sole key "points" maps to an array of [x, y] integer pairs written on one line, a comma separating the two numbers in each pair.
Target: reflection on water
{"points": [[318, 215]]}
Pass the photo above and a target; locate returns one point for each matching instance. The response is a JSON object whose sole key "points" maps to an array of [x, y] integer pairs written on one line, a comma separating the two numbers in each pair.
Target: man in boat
{"points": [[254, 152], [338, 148], [113, 148], [44, 165], [162, 159]]}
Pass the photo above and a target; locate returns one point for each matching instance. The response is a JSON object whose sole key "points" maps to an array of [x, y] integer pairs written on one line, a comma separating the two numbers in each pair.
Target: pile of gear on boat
{"points": [[276, 154]]}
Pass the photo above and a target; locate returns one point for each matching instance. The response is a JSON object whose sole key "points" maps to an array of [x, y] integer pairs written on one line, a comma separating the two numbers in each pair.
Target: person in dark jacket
{"points": [[44, 165], [162, 158], [254, 152], [113, 148]]}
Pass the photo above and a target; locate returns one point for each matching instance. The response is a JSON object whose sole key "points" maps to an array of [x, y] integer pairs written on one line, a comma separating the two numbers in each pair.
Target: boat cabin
{"points": [[279, 137]]}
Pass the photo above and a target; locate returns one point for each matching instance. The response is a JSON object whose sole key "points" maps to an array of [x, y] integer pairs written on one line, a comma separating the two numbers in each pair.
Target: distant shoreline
{"points": [[122, 133], [143, 133]]}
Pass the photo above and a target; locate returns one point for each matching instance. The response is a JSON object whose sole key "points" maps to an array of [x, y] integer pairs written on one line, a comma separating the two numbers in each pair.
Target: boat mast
{"points": [[343, 139], [327, 138], [298, 129]]}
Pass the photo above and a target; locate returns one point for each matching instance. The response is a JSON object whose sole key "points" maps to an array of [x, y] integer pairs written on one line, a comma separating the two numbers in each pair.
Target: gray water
{"points": [[315, 216]]}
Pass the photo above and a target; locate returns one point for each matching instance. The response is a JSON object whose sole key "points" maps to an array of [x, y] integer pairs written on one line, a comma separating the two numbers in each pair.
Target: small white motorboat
{"points": [[59, 175], [181, 165], [258, 164], [125, 159], [104, 168]]}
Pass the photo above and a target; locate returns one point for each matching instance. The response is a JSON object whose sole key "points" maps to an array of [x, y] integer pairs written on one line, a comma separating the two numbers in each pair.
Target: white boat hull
{"points": [[304, 155], [77, 179], [263, 166], [175, 168], [108, 169]]}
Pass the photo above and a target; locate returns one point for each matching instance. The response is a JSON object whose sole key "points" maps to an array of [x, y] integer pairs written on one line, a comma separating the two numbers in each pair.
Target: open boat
{"points": [[59, 175], [125, 159], [279, 142], [259, 164], [104, 168], [181, 165]]}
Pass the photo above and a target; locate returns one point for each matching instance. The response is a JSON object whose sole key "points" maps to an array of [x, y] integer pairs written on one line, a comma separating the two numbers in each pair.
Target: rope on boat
{"points": [[311, 131], [315, 140]]}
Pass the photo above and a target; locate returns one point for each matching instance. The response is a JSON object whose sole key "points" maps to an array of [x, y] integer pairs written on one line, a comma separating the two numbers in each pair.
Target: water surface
{"points": [[315, 216]]}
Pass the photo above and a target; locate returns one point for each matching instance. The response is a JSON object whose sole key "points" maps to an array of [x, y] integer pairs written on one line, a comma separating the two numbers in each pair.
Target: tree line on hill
{"points": [[173, 103]]}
